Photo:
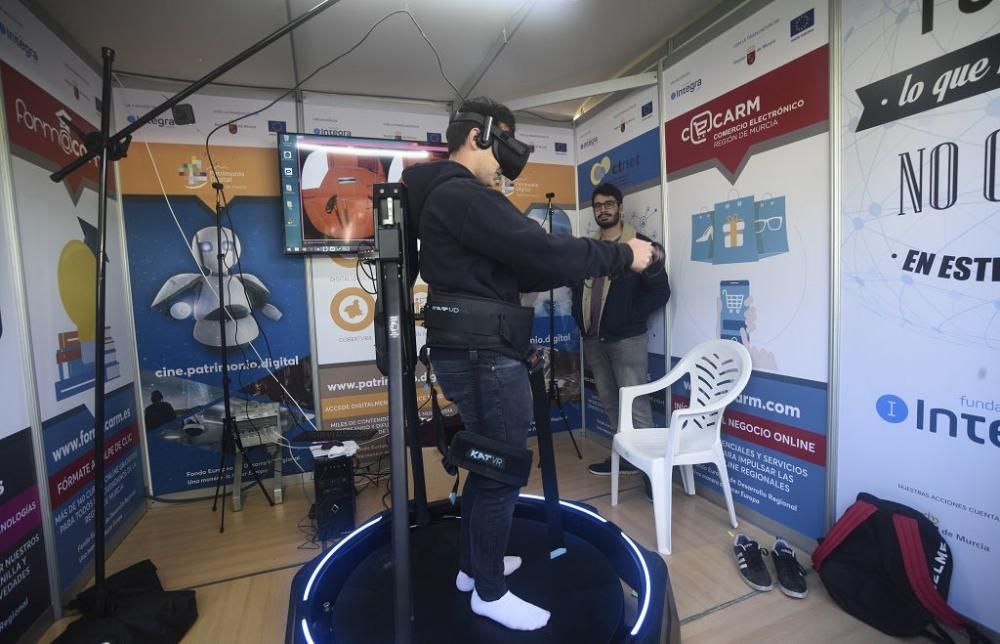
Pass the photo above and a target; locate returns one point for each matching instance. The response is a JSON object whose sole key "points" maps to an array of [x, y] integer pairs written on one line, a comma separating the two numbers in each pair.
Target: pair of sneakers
{"points": [[750, 561]]}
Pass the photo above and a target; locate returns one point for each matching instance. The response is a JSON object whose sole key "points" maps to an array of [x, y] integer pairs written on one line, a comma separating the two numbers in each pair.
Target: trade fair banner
{"points": [[919, 408], [353, 393], [46, 88], [24, 581], [174, 279], [747, 159], [621, 145]]}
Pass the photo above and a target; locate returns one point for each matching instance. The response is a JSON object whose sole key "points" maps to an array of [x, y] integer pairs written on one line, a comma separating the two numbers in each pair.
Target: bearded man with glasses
{"points": [[612, 315]]}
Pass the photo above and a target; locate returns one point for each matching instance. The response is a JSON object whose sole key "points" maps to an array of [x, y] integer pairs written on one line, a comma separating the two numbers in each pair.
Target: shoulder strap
{"points": [[915, 563], [853, 517]]}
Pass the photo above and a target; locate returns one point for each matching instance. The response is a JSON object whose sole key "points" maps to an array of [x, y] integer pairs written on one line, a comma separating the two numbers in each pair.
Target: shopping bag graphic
{"points": [[734, 238], [702, 232], [769, 227]]}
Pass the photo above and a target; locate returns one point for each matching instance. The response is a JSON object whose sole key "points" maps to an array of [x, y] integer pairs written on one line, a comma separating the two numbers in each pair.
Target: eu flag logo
{"points": [[803, 22]]}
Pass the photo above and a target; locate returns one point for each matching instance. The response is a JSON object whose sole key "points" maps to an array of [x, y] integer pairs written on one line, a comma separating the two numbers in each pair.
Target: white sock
{"points": [[512, 612], [466, 583]]}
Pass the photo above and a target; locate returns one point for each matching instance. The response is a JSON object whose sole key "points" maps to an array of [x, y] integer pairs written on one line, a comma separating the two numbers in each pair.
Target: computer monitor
{"points": [[326, 187]]}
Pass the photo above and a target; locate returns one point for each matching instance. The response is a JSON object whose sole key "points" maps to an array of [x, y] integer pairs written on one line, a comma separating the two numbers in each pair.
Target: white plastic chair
{"points": [[718, 370]]}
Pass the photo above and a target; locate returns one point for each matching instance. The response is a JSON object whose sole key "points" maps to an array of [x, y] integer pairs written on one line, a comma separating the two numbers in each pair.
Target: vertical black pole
{"points": [[397, 442], [227, 419], [100, 592], [387, 201]]}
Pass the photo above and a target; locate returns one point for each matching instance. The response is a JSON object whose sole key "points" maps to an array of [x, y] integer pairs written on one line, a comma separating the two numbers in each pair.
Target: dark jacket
{"points": [[632, 298], [474, 241]]}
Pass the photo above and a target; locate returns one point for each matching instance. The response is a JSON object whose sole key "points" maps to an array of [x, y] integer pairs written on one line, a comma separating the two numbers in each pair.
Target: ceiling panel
{"points": [[560, 44]]}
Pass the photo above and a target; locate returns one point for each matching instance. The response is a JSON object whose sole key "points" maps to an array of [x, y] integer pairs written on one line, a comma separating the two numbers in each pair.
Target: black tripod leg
{"points": [[562, 410], [547, 461], [253, 470], [223, 449]]}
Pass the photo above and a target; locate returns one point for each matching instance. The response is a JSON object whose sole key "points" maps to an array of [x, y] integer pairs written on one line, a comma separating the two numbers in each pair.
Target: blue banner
{"points": [[631, 166], [175, 280], [69, 456]]}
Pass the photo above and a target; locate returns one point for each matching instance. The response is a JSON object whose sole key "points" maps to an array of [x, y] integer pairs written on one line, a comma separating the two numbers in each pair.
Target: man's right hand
{"points": [[642, 254]]}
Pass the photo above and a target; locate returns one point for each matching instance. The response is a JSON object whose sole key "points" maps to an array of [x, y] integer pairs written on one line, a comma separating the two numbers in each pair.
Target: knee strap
{"points": [[491, 458]]}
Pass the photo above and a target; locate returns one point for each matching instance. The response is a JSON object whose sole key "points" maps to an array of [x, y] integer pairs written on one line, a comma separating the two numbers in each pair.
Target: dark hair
{"points": [[458, 131], [608, 190], [156, 396]]}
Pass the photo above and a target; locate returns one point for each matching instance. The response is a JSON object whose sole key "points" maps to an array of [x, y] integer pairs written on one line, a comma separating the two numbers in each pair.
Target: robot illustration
{"points": [[186, 295]]}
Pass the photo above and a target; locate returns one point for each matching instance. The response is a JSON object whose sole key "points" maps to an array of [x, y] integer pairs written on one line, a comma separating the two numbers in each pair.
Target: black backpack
{"points": [[888, 565]]}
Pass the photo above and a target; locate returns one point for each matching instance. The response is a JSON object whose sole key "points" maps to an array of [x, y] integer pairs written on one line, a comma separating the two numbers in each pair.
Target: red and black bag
{"points": [[888, 565]]}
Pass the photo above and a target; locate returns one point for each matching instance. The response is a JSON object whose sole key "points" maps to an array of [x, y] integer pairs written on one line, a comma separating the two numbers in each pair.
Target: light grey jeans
{"points": [[620, 364]]}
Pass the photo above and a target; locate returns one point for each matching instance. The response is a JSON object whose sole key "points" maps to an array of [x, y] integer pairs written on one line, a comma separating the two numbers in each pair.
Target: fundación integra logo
{"points": [[981, 429]]}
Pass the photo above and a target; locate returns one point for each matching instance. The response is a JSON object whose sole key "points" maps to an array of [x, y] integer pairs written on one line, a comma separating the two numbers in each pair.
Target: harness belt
{"points": [[471, 323]]}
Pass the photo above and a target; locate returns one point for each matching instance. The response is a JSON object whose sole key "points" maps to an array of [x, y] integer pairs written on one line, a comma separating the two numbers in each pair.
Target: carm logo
{"points": [[704, 122], [352, 309], [981, 429]]}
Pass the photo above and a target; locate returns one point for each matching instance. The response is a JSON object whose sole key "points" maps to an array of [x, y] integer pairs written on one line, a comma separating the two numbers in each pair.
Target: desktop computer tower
{"points": [[333, 480]]}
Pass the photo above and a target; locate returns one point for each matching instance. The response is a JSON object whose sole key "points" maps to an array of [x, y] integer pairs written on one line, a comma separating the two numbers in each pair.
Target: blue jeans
{"points": [[487, 504]]}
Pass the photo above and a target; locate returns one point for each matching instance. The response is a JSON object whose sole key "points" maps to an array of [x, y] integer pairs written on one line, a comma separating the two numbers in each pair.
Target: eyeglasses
{"points": [[773, 224], [606, 205]]}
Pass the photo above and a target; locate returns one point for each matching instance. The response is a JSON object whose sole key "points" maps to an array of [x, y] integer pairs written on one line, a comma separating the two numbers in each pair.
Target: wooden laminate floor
{"points": [[242, 577]]}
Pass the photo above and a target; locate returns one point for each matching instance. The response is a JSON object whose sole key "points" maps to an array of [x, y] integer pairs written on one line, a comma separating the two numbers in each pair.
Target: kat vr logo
{"points": [[979, 428]]}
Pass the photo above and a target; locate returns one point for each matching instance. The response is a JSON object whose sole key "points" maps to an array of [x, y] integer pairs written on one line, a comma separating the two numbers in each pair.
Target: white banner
{"points": [[919, 419], [346, 116], [747, 154], [45, 89], [30, 48], [210, 111]]}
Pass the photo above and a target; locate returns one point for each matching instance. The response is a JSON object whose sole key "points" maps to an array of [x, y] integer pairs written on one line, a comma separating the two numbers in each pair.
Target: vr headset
{"points": [[511, 154]]}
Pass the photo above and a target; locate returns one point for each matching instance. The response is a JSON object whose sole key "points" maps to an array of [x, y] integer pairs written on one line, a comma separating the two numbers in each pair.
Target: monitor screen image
{"points": [[326, 187]]}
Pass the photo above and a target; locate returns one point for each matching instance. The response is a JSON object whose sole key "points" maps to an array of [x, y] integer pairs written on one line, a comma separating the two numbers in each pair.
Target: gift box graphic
{"points": [[732, 232], [739, 230]]}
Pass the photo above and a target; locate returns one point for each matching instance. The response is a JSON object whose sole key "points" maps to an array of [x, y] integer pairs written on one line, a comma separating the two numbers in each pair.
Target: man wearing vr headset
{"points": [[478, 253]]}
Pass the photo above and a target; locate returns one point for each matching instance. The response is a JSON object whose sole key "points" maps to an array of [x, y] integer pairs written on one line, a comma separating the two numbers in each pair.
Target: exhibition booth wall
{"points": [[823, 177]]}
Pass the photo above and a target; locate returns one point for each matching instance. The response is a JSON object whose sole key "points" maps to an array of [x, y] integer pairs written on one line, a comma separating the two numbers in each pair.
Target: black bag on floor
{"points": [[139, 611], [888, 565]]}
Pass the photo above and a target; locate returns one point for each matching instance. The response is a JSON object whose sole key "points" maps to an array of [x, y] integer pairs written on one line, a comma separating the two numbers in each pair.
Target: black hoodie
{"points": [[474, 241]]}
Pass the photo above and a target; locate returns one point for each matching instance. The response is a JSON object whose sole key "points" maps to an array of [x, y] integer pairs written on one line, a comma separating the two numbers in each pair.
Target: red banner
{"points": [[40, 131], [80, 473], [724, 130], [799, 443]]}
